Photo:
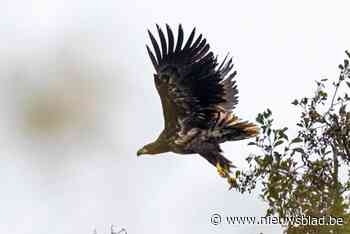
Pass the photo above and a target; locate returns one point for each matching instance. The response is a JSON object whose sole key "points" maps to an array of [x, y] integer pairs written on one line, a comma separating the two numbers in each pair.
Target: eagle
{"points": [[198, 96]]}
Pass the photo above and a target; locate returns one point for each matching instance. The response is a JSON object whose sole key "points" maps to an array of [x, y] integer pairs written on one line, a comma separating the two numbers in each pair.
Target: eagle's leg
{"points": [[223, 170], [212, 153]]}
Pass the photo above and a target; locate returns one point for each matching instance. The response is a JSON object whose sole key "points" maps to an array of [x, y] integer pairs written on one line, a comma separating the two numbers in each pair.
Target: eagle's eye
{"points": [[165, 78]]}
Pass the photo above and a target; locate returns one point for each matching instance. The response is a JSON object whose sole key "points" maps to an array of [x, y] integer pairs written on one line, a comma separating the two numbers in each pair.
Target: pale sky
{"points": [[77, 100]]}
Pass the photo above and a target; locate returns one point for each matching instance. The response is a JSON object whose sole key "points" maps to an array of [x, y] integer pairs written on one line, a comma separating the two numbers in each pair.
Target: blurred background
{"points": [[77, 100]]}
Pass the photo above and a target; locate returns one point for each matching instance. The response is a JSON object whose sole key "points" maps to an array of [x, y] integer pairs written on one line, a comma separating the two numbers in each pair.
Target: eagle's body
{"points": [[198, 96]]}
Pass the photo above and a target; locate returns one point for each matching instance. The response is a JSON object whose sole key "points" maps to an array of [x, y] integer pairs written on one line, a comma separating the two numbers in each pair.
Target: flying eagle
{"points": [[198, 95]]}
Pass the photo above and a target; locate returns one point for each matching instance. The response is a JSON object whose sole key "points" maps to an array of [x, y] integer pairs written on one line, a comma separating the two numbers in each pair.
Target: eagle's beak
{"points": [[141, 151]]}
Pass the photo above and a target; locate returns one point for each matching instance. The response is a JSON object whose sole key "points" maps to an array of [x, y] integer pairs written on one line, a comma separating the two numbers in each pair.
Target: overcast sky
{"points": [[77, 101]]}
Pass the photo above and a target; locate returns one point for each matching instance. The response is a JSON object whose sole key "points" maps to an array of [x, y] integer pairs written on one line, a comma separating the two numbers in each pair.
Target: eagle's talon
{"points": [[232, 181]]}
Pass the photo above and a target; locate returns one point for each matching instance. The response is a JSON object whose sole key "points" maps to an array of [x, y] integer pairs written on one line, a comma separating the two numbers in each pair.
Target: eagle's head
{"points": [[142, 151], [156, 147]]}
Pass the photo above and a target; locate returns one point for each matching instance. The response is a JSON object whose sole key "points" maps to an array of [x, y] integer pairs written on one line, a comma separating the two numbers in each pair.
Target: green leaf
{"points": [[348, 83], [259, 119], [304, 101], [284, 129], [269, 112], [342, 109], [299, 150], [346, 96], [249, 159], [283, 135], [278, 143], [322, 93], [238, 173], [295, 102], [296, 140]]}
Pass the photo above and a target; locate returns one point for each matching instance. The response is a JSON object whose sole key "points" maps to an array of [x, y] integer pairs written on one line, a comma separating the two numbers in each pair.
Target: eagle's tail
{"points": [[229, 128], [240, 131]]}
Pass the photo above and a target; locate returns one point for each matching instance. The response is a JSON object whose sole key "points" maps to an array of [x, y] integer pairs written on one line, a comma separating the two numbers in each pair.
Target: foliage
{"points": [[300, 175]]}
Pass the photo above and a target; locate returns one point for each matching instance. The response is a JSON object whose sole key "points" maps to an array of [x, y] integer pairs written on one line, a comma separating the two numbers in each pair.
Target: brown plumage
{"points": [[198, 95]]}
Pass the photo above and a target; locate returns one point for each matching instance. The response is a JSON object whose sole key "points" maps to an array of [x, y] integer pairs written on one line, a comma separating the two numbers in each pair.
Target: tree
{"points": [[300, 175]]}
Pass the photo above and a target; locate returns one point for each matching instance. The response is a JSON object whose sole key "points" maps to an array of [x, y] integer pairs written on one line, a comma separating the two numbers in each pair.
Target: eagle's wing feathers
{"points": [[191, 84]]}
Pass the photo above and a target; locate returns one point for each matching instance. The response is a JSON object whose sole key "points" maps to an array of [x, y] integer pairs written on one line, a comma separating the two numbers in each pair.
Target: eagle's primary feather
{"points": [[198, 95]]}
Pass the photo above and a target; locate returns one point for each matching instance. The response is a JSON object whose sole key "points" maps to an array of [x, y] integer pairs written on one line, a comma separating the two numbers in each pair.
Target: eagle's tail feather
{"points": [[229, 128], [240, 131]]}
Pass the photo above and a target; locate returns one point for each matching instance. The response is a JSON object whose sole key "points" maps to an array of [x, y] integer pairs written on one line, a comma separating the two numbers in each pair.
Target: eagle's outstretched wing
{"points": [[191, 84]]}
